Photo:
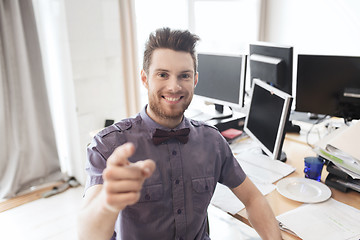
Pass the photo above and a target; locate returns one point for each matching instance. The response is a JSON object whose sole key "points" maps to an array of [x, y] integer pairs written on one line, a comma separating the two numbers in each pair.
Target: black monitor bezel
{"points": [[285, 113], [216, 100], [319, 91], [276, 51]]}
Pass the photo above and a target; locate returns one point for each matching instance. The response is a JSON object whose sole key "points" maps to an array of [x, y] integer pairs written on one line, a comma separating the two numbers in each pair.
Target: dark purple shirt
{"points": [[174, 200]]}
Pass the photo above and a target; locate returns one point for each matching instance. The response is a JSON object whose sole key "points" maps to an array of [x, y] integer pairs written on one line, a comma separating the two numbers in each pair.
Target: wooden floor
{"points": [[26, 197], [54, 218]]}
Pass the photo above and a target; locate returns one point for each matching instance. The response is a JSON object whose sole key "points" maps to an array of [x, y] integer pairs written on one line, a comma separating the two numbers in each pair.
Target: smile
{"points": [[172, 99]]}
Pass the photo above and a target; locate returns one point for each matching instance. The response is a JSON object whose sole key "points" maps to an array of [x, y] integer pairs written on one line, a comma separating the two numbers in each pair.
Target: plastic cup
{"points": [[313, 168]]}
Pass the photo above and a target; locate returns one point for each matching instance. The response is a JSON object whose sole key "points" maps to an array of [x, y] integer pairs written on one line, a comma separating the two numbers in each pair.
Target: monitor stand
{"points": [[222, 112], [313, 116], [283, 156], [219, 108], [210, 112], [291, 128]]}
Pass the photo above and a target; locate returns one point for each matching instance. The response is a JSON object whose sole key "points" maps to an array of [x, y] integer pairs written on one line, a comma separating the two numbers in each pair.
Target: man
{"points": [[165, 197]]}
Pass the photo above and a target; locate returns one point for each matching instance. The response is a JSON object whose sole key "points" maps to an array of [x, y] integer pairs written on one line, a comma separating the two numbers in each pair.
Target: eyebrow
{"points": [[187, 71], [161, 70], [164, 70]]}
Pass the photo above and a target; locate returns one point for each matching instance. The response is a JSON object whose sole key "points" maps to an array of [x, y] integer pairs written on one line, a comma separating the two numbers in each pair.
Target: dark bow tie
{"points": [[161, 136]]}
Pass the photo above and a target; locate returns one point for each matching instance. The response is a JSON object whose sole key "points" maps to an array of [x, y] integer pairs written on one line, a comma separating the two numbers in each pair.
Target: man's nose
{"points": [[174, 84]]}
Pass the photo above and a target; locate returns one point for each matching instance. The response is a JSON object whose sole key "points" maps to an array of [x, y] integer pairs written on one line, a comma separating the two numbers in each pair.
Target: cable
{"points": [[308, 133]]}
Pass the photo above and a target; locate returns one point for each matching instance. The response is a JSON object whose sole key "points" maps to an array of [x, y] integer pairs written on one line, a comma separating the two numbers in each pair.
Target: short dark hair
{"points": [[177, 40]]}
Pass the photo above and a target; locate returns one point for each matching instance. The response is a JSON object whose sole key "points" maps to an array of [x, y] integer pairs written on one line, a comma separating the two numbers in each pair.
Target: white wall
{"points": [[311, 26], [314, 26], [94, 39]]}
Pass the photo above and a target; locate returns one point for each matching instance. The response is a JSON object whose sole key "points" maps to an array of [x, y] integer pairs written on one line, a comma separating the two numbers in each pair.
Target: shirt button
{"points": [[147, 197], [206, 187], [179, 211], [174, 152], [177, 181]]}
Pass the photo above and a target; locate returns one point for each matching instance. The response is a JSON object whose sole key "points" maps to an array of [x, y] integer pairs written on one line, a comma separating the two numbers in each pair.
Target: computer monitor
{"points": [[221, 79], [265, 121], [328, 85], [273, 64]]}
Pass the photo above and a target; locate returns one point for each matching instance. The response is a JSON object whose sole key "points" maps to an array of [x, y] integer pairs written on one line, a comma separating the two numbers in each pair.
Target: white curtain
{"points": [[129, 56], [28, 152], [54, 43]]}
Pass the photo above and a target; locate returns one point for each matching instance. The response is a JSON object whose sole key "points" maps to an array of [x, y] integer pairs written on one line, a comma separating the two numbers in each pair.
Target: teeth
{"points": [[172, 99]]}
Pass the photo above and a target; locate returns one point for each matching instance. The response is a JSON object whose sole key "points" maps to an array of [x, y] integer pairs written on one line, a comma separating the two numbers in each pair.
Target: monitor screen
{"points": [[221, 79], [268, 113], [272, 63], [328, 85]]}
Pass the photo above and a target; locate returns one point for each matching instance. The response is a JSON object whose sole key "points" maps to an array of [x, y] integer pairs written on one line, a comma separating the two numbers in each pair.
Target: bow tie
{"points": [[161, 136]]}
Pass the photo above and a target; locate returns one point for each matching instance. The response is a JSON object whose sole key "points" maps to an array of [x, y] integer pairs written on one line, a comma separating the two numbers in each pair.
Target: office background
{"points": [[97, 48]]}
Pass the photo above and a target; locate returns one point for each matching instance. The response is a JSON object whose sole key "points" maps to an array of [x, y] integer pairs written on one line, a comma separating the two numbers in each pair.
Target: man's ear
{"points": [[196, 79], [144, 79]]}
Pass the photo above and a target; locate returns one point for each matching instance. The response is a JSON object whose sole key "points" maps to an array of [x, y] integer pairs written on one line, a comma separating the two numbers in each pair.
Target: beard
{"points": [[155, 104]]}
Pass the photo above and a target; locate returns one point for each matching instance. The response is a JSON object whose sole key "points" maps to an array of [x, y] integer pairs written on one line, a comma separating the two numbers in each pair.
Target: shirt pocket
{"points": [[148, 207], [203, 189], [151, 193]]}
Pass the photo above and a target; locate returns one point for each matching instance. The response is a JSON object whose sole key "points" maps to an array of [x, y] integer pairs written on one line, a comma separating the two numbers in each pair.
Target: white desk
{"points": [[296, 150]]}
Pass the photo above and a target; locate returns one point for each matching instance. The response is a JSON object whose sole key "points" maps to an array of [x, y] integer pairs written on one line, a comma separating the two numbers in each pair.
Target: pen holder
{"points": [[313, 168]]}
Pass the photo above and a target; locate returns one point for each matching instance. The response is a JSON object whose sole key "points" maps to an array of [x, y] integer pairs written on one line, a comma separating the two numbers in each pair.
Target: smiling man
{"points": [[153, 176], [170, 81]]}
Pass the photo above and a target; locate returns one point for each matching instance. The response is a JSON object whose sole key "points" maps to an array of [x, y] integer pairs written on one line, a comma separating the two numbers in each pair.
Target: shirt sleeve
{"points": [[100, 149], [231, 175], [95, 165]]}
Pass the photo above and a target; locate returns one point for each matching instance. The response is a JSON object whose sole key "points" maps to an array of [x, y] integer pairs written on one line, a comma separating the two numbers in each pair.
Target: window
{"points": [[151, 15], [224, 26]]}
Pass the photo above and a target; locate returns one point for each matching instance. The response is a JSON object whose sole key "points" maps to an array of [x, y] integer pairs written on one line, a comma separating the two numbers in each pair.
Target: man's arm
{"points": [[260, 214], [122, 185], [95, 221]]}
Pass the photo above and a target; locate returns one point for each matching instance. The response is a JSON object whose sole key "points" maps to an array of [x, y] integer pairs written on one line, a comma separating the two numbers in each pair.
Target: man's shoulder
{"points": [[121, 126], [113, 136], [200, 124]]}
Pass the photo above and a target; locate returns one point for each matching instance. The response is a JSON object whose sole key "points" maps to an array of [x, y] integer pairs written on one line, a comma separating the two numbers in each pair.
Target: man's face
{"points": [[170, 83]]}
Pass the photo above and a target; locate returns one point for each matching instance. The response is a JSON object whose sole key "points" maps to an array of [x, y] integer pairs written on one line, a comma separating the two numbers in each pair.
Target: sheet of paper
{"points": [[348, 140], [331, 220], [352, 166], [345, 138], [226, 200]]}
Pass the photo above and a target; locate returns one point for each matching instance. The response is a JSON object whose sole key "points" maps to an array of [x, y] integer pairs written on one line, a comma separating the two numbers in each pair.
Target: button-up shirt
{"points": [[174, 200]]}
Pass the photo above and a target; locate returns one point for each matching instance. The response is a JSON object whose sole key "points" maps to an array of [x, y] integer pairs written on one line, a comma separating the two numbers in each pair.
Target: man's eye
{"points": [[185, 75], [162, 75]]}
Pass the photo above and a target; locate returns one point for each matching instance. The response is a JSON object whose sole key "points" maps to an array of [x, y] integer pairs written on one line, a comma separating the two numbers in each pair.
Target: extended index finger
{"points": [[121, 154]]}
